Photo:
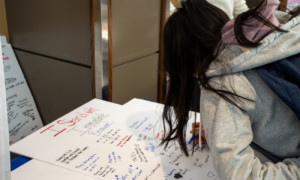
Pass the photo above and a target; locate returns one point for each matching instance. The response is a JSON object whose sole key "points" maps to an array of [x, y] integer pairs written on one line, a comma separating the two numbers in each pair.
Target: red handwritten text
{"points": [[78, 118], [90, 110], [150, 128], [49, 128], [4, 58], [120, 143], [161, 136]]}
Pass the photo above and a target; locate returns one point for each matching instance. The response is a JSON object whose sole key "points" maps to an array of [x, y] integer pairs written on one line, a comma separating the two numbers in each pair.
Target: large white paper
{"points": [[142, 105], [22, 113], [38, 170], [46, 171], [107, 142], [4, 137]]}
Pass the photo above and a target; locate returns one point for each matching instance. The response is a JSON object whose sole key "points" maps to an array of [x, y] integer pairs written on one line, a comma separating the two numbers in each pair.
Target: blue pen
{"points": [[192, 139]]}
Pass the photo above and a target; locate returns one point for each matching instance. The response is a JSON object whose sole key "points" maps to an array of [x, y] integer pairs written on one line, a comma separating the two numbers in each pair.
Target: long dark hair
{"points": [[191, 43]]}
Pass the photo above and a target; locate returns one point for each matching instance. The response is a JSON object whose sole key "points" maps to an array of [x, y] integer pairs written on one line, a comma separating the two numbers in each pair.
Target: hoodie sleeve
{"points": [[240, 6], [229, 134]]}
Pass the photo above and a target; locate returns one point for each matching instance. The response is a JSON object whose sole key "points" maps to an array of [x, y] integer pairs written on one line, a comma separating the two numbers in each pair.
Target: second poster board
{"points": [[22, 113]]}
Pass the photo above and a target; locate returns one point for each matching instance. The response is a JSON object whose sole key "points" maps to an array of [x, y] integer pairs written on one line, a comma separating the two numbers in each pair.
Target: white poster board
{"points": [[106, 141], [23, 116], [38, 170], [4, 137]]}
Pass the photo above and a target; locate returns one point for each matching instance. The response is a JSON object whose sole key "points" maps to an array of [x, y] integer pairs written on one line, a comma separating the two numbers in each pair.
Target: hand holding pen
{"points": [[196, 129]]}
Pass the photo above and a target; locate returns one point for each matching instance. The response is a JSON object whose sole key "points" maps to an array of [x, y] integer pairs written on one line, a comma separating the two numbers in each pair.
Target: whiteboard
{"points": [[106, 141], [23, 116]]}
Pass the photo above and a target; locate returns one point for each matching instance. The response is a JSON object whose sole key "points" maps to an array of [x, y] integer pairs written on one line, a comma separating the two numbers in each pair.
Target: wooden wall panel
{"points": [[55, 28], [57, 87], [161, 76], [283, 4], [137, 79], [3, 21], [135, 29]]}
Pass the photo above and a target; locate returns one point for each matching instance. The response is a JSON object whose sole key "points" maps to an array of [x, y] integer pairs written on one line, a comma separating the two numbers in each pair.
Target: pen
{"points": [[192, 139]]}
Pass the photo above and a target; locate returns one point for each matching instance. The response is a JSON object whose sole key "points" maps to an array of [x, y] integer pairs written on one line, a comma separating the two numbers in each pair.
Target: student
{"points": [[237, 106], [232, 8]]}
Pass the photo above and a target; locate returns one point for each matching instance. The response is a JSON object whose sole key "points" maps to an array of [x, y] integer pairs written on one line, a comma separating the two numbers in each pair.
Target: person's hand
{"points": [[195, 128]]}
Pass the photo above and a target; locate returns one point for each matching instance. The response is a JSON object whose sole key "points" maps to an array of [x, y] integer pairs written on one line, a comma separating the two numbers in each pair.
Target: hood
{"points": [[276, 46]]}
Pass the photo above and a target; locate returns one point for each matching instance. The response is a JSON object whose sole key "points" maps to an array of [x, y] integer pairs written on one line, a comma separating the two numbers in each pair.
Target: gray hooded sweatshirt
{"points": [[268, 121]]}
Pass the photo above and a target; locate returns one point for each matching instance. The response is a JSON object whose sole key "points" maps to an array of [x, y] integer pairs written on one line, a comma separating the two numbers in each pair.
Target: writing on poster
{"points": [[69, 123], [4, 57], [22, 113]]}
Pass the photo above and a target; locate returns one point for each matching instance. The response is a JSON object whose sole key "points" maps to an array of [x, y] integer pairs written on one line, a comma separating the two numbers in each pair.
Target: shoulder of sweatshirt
{"points": [[274, 47]]}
